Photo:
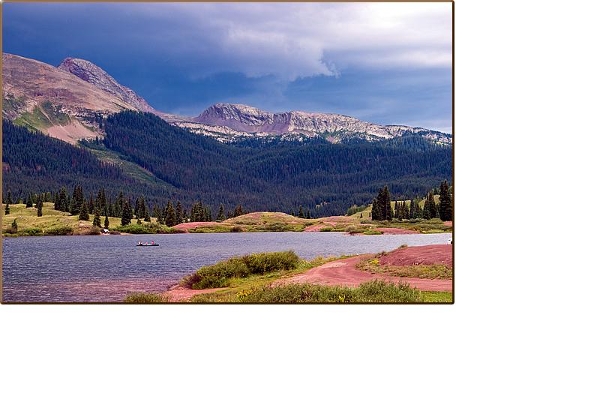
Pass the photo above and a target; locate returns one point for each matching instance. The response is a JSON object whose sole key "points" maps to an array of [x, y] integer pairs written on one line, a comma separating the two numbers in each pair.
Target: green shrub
{"points": [[236, 229], [32, 232], [261, 263], [219, 274], [141, 297], [369, 292], [59, 231]]}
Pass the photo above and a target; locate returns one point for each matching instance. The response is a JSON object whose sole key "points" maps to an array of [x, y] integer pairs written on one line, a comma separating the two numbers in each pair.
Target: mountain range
{"points": [[229, 154], [66, 102]]}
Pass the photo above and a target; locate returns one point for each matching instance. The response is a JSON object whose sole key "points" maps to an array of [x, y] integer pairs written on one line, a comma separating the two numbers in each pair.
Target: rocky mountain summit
{"points": [[230, 121], [95, 75]]}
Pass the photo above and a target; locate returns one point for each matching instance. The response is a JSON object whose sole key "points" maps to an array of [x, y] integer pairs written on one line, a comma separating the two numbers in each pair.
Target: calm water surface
{"points": [[107, 268]]}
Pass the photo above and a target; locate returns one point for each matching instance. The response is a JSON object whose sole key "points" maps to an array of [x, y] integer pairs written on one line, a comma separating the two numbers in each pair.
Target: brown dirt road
{"points": [[344, 272]]}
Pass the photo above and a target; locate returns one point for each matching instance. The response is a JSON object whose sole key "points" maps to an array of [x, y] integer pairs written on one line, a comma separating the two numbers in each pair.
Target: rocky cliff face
{"points": [[228, 121], [95, 75]]}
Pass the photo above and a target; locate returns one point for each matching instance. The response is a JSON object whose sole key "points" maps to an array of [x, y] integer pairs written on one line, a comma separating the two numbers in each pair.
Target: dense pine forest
{"points": [[322, 178]]}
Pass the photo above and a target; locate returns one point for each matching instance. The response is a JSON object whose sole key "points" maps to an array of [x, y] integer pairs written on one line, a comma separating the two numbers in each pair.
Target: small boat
{"points": [[147, 244]]}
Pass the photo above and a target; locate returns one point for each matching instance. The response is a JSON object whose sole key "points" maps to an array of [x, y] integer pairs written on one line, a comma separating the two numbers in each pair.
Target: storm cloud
{"points": [[381, 62]]}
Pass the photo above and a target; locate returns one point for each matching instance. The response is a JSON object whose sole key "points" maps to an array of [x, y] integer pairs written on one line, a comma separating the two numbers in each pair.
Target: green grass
{"points": [[145, 298], [43, 116], [437, 297], [54, 222], [411, 271], [369, 292]]}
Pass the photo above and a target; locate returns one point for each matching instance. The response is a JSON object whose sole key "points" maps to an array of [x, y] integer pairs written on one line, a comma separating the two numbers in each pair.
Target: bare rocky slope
{"points": [[52, 100], [95, 75]]}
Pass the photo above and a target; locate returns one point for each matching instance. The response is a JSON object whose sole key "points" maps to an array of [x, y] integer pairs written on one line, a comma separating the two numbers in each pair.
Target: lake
{"points": [[78, 269]]}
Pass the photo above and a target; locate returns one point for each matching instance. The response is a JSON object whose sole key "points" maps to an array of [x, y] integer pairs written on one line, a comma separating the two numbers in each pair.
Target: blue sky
{"points": [[387, 63]]}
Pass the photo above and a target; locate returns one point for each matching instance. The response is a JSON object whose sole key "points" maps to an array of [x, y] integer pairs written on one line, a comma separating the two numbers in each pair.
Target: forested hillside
{"points": [[277, 176]]}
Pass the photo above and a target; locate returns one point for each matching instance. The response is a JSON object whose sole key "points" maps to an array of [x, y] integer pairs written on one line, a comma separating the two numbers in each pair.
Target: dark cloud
{"points": [[386, 62]]}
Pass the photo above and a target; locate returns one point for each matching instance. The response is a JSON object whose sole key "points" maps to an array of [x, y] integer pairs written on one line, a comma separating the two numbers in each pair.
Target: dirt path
{"points": [[180, 294], [344, 272]]}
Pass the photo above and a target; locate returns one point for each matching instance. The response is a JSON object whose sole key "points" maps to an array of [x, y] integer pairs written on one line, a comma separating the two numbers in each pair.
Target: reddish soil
{"points": [[419, 255], [185, 227], [180, 294], [344, 272]]}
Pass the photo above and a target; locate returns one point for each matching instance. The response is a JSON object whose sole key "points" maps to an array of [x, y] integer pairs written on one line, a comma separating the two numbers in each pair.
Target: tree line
{"points": [[382, 206], [320, 177]]}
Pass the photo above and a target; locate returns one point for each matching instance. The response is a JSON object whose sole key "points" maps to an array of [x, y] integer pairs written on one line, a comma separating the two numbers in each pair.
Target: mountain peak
{"points": [[95, 75]]}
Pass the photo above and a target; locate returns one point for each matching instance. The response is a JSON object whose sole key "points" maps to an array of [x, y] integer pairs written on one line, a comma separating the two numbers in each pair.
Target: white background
{"points": [[524, 324]]}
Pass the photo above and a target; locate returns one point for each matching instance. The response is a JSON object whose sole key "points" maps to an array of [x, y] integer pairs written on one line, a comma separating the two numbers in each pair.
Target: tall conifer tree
{"points": [[445, 202]]}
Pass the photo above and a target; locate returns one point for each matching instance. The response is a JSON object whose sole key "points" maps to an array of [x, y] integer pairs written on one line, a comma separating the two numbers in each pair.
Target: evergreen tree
{"points": [[411, 209], [170, 215], [106, 222], [157, 213], [127, 214], [178, 213], [6, 209], [433, 212], [376, 211], [382, 207], [142, 209], [101, 199], [445, 202], [29, 201], [429, 208], [14, 226], [96, 221], [300, 212], [147, 217], [77, 200], [83, 214], [39, 206], [387, 204], [238, 211], [91, 205], [221, 214], [403, 211], [62, 203], [119, 205]]}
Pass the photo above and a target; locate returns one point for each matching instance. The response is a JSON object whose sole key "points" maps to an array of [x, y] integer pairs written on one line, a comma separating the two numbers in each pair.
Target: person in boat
{"points": [[153, 242], [140, 243]]}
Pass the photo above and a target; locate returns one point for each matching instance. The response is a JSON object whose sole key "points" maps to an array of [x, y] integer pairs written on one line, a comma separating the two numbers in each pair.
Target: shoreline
{"points": [[345, 272]]}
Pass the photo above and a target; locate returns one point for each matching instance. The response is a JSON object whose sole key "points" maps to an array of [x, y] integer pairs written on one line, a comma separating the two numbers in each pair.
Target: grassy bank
{"points": [[250, 279], [62, 223], [59, 223]]}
